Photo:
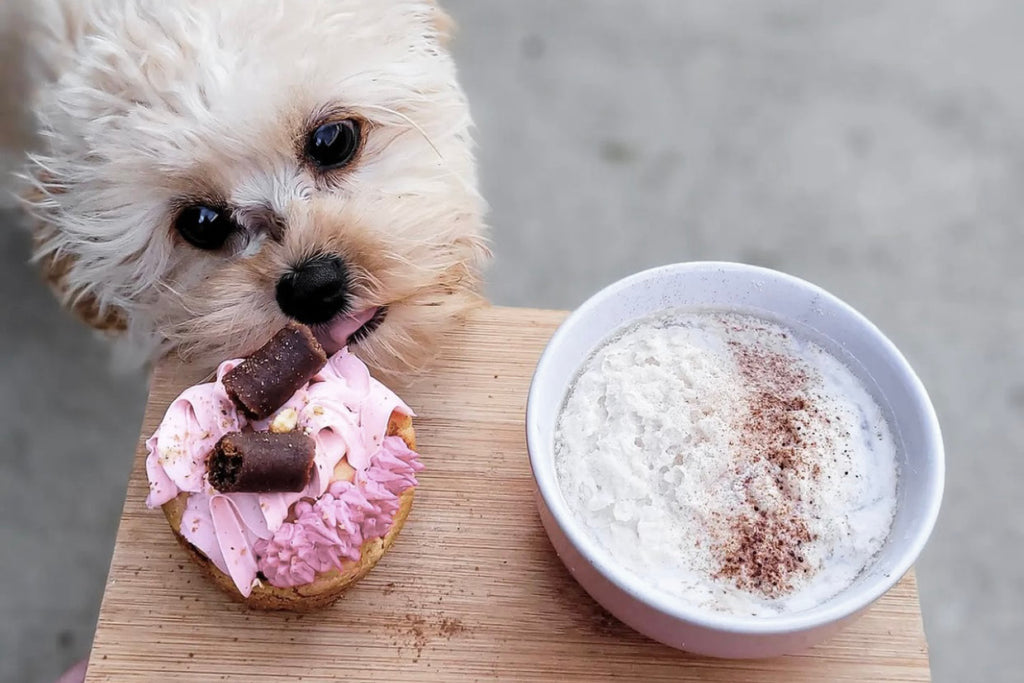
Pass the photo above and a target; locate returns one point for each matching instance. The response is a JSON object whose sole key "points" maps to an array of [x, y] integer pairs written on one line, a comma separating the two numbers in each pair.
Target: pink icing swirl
{"points": [[346, 516], [346, 412]]}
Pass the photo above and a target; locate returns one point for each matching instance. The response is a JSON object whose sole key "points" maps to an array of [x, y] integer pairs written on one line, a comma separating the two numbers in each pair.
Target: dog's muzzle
{"points": [[316, 293]]}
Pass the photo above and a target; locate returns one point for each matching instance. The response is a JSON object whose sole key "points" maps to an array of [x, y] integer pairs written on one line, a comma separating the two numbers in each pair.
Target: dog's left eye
{"points": [[333, 145]]}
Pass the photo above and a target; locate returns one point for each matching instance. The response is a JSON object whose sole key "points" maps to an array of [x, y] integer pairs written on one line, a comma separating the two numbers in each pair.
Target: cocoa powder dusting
{"points": [[763, 554], [761, 551]]}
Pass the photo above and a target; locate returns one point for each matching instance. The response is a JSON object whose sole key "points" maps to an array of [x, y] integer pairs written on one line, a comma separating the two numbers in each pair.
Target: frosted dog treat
{"points": [[288, 511]]}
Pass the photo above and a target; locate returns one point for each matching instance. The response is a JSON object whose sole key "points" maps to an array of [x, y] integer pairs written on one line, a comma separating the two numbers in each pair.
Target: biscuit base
{"points": [[326, 588]]}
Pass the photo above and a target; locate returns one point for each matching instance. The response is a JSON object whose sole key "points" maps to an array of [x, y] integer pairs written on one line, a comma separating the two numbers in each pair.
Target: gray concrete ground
{"points": [[876, 148]]}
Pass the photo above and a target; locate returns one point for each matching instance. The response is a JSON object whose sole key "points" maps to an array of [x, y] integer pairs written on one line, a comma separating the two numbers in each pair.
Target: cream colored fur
{"points": [[150, 104]]}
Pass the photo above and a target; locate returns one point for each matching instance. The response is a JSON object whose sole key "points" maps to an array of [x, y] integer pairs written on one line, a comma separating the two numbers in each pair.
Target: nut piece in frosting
{"points": [[265, 381], [285, 421], [261, 462]]}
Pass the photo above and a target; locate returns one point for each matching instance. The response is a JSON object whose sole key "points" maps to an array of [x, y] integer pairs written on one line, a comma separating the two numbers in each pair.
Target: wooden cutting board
{"points": [[471, 591]]}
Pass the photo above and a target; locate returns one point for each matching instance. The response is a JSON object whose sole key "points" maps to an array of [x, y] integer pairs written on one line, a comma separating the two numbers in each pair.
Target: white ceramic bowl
{"points": [[826, 320]]}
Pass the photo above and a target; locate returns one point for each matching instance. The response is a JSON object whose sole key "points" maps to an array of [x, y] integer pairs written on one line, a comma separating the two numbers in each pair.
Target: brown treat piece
{"points": [[261, 462], [265, 381]]}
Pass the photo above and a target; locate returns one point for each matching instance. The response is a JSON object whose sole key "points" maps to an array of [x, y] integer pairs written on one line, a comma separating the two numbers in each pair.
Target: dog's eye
{"points": [[333, 145], [203, 227]]}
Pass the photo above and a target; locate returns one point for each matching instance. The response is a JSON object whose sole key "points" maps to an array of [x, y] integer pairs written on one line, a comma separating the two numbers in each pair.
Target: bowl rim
{"points": [[848, 602]]}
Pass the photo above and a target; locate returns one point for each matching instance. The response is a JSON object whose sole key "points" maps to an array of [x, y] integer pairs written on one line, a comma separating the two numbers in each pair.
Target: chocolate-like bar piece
{"points": [[264, 381], [261, 462]]}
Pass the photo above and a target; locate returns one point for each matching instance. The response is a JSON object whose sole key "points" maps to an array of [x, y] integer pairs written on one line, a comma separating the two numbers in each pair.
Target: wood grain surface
{"points": [[471, 591]]}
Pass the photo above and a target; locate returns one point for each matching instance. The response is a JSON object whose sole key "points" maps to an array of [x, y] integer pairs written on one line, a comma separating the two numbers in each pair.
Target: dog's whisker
{"points": [[408, 120], [178, 296], [367, 281]]}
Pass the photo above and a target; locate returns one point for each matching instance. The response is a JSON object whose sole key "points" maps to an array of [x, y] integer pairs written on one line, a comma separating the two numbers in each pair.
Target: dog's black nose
{"points": [[314, 291]]}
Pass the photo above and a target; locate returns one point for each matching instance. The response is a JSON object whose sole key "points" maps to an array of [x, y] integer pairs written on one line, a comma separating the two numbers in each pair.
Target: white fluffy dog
{"points": [[210, 169]]}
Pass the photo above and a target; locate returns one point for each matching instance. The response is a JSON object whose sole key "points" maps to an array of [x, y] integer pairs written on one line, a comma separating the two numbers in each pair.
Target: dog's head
{"points": [[211, 170]]}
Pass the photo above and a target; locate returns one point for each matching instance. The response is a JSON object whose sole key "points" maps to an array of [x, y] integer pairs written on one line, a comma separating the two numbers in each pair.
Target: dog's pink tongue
{"points": [[336, 336]]}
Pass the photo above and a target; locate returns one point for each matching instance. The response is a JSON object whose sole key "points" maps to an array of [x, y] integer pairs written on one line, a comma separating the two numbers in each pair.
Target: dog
{"points": [[208, 171]]}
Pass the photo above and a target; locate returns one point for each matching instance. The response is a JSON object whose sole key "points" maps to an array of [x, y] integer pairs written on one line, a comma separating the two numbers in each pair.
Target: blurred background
{"points": [[875, 148]]}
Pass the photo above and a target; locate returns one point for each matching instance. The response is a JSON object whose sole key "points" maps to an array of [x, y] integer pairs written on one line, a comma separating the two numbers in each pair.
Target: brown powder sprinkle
{"points": [[418, 632], [761, 551], [451, 627]]}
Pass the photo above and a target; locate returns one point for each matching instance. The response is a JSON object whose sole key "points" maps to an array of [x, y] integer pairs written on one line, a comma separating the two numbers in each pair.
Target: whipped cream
{"points": [[728, 462], [287, 537]]}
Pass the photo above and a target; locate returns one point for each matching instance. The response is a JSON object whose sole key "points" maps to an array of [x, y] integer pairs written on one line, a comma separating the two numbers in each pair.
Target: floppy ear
{"points": [[441, 22], [56, 267]]}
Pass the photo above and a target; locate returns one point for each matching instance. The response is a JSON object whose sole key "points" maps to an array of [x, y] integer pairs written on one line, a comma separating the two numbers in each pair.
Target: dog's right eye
{"points": [[204, 227]]}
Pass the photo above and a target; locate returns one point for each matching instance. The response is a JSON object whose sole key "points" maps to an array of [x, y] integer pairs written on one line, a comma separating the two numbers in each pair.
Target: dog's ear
{"points": [[56, 267], [441, 23]]}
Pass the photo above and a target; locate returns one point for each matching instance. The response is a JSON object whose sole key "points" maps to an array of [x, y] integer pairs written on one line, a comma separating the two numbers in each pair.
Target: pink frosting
{"points": [[346, 412], [335, 527]]}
